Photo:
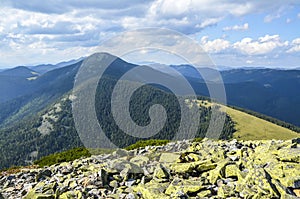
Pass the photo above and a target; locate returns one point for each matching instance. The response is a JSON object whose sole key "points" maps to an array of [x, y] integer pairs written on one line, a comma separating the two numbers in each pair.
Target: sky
{"points": [[235, 33]]}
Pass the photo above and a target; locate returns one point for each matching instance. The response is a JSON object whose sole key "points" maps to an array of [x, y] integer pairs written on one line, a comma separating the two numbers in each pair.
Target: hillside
{"points": [[272, 92], [206, 169], [249, 127], [40, 122]]}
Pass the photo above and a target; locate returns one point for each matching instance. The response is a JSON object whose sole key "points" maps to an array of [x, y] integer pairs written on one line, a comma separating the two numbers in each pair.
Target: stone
{"points": [[130, 196], [104, 177], [206, 169], [43, 174], [114, 183], [297, 192], [161, 172], [152, 190], [139, 160], [205, 193], [130, 182], [186, 186], [120, 153], [231, 171], [169, 157]]}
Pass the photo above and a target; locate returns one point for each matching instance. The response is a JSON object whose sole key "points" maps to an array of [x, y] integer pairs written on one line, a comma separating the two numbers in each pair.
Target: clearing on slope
{"points": [[249, 127]]}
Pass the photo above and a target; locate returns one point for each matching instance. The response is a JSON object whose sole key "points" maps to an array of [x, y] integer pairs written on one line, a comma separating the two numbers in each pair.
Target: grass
{"points": [[144, 143], [253, 128], [64, 156]]}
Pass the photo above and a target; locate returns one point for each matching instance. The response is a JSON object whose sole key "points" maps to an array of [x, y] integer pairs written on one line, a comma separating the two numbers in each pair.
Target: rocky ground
{"points": [[207, 169]]}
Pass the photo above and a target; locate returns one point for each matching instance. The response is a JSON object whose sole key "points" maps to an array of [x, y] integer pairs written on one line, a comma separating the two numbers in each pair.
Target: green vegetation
{"points": [[268, 118], [140, 103], [197, 139], [249, 127], [144, 143], [64, 156], [23, 143]]}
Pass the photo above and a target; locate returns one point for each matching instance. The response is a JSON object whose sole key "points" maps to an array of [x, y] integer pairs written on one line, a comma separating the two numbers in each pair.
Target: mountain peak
{"points": [[19, 71]]}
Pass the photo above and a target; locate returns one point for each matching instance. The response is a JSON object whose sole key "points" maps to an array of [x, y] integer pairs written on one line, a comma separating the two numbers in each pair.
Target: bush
{"points": [[197, 139], [144, 143], [65, 156]]}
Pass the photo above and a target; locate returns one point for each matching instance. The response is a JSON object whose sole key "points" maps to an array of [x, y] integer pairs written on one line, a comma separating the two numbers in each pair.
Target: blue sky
{"points": [[233, 32]]}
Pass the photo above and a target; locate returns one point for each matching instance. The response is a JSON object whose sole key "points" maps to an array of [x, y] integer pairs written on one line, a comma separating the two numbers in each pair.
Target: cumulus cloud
{"points": [[295, 46], [214, 46], [67, 24], [261, 46], [245, 26]]}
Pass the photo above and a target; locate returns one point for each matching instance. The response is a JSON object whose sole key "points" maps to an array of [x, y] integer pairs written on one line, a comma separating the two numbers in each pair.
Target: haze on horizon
{"points": [[234, 33]]}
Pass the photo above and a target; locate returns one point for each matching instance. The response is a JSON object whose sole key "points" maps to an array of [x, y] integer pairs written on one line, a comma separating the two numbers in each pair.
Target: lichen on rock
{"points": [[182, 169]]}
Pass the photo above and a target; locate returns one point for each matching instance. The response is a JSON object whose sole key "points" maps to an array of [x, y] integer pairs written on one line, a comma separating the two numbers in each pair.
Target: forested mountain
{"points": [[36, 116], [43, 131], [268, 91]]}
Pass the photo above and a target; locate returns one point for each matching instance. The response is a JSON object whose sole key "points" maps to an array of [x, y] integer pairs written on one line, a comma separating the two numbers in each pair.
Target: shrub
{"points": [[144, 143], [64, 156]]}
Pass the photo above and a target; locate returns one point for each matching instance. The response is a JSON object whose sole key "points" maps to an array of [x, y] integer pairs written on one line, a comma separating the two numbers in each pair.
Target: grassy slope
{"points": [[252, 128]]}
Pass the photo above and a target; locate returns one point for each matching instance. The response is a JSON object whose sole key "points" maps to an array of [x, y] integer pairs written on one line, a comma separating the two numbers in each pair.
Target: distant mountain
{"points": [[15, 82], [21, 97], [43, 68], [41, 122], [36, 115], [20, 71]]}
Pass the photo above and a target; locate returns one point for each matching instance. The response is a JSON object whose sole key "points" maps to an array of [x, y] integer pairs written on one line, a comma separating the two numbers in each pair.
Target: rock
{"points": [[152, 190], [130, 196], [43, 174], [120, 153], [104, 177], [297, 192], [139, 160], [206, 169], [203, 194], [169, 157], [231, 171], [114, 183], [289, 155], [218, 172], [184, 186], [130, 183], [161, 172], [296, 141]]}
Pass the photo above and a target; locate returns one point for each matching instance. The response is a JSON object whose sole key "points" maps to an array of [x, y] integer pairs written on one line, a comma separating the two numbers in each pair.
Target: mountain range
{"points": [[36, 104]]}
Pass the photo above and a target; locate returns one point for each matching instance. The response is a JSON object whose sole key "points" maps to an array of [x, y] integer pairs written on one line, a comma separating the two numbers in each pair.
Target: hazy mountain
{"points": [[43, 68], [36, 117], [20, 71], [269, 91]]}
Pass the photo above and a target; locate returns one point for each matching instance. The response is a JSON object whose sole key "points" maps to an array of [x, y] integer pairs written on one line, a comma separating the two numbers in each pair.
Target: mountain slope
{"points": [[268, 91], [20, 71], [37, 94], [40, 122], [52, 129]]}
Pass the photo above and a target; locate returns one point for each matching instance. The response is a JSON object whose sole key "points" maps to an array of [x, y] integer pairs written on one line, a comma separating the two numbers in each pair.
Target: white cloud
{"points": [[214, 46], [261, 46], [295, 46], [245, 26], [64, 25], [270, 18], [288, 20], [298, 15]]}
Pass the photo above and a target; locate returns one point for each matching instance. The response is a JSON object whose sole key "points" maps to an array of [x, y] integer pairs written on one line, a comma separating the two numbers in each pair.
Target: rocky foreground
{"points": [[208, 169]]}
